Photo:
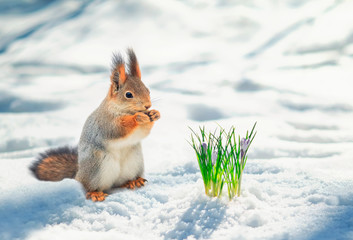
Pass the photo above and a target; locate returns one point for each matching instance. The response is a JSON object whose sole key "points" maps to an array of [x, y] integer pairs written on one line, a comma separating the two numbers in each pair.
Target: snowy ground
{"points": [[286, 64]]}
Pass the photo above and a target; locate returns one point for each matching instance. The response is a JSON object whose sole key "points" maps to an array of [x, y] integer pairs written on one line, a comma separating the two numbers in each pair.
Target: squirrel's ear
{"points": [[118, 75], [133, 64]]}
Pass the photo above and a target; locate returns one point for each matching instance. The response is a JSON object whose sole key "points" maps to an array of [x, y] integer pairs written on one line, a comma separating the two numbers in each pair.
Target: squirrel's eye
{"points": [[129, 95]]}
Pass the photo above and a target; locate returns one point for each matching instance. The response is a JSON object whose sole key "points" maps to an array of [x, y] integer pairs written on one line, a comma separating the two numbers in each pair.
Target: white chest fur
{"points": [[121, 164], [130, 140]]}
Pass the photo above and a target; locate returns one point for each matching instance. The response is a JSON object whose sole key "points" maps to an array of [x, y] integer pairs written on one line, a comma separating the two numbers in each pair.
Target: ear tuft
{"points": [[134, 69], [118, 75]]}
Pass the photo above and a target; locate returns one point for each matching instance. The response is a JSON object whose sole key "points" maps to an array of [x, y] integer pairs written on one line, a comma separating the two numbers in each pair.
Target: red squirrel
{"points": [[109, 152]]}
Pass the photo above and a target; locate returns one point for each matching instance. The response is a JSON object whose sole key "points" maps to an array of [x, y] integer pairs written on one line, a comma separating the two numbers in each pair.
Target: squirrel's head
{"points": [[127, 92]]}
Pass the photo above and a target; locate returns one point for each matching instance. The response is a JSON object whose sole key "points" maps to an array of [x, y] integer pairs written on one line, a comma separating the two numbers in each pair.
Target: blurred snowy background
{"points": [[287, 64]]}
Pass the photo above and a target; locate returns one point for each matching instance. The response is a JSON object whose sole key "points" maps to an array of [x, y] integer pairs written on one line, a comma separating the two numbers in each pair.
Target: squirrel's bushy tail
{"points": [[56, 164]]}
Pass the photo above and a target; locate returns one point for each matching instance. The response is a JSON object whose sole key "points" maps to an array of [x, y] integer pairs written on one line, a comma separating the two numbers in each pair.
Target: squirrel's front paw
{"points": [[142, 118], [154, 115]]}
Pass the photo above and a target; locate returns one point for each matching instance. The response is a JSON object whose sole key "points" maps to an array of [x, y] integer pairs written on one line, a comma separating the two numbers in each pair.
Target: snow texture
{"points": [[286, 64]]}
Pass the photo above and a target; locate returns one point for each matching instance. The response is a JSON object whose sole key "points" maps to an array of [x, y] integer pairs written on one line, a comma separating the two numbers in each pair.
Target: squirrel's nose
{"points": [[147, 106]]}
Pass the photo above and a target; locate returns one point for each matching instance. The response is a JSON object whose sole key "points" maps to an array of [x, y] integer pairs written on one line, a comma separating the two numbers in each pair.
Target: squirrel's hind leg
{"points": [[96, 196], [138, 182]]}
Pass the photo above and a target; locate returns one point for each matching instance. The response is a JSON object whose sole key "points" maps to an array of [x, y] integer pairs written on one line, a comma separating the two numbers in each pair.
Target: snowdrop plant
{"points": [[222, 157]]}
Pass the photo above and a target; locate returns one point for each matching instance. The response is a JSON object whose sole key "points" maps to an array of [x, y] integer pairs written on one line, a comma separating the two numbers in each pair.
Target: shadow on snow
{"points": [[200, 220], [22, 215]]}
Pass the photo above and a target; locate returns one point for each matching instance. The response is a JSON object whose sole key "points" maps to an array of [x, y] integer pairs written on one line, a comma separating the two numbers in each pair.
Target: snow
{"points": [[285, 64]]}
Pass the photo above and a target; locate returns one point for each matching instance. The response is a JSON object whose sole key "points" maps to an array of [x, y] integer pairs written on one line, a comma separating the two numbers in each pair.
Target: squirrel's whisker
{"points": [[156, 99]]}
